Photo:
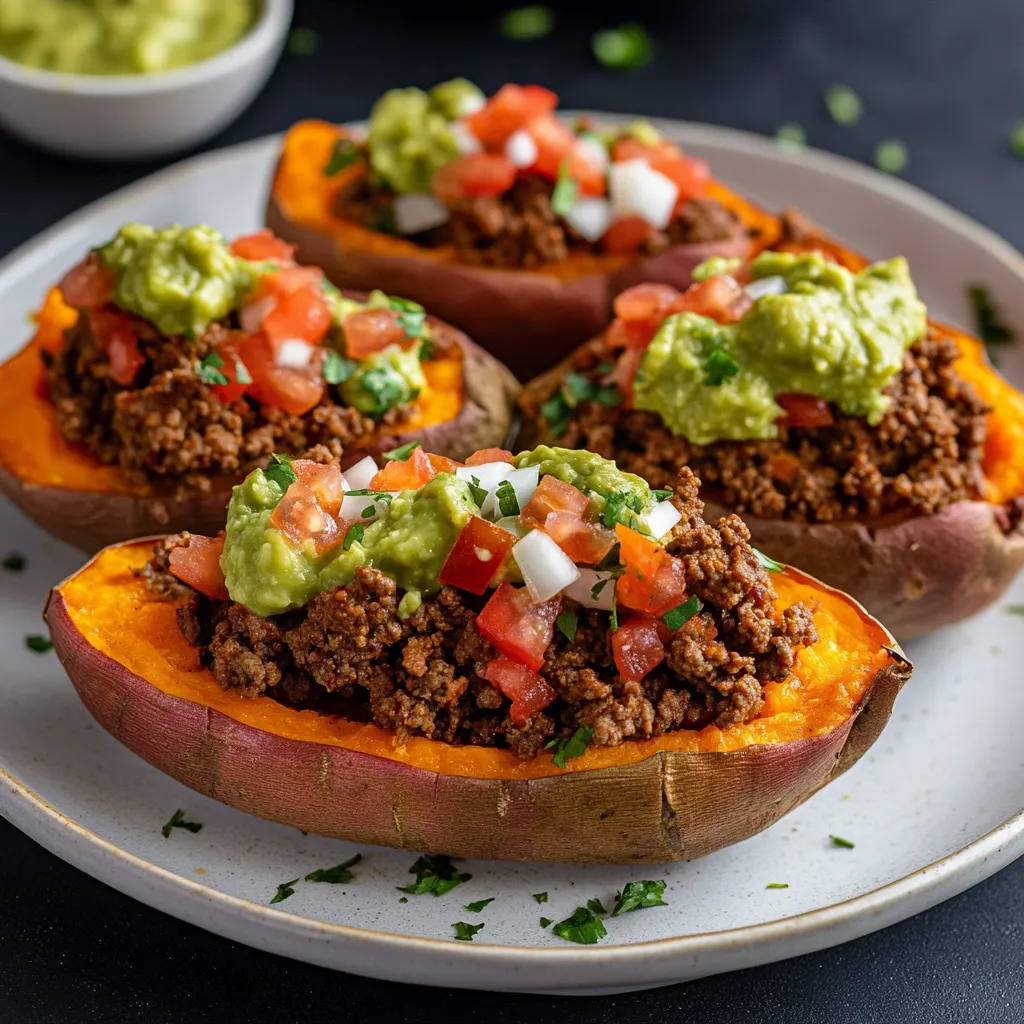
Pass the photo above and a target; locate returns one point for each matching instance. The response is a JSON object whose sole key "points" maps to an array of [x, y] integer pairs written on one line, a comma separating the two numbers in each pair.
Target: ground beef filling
{"points": [[519, 228], [348, 652], [924, 455], [169, 426]]}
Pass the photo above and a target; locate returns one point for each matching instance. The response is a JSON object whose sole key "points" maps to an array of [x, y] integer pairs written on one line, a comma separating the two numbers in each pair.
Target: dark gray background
{"points": [[947, 77]]}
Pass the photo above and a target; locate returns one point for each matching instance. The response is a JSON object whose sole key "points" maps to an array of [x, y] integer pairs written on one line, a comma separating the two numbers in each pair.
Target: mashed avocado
{"points": [[833, 333], [384, 380], [410, 138], [119, 37], [180, 279]]}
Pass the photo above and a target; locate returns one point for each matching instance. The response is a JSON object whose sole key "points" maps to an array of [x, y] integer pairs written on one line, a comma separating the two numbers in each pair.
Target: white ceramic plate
{"points": [[933, 808]]}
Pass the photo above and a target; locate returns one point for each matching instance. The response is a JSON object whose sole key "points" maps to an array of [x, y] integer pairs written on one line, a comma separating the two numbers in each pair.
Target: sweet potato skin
{"points": [[667, 807]]}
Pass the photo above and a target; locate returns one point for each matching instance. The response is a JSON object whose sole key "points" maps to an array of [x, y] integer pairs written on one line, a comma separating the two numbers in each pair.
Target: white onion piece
{"points": [[354, 505], [520, 149], [594, 151], [662, 518], [547, 570], [253, 314], [583, 590], [773, 285], [523, 482], [488, 474], [471, 103], [465, 141], [637, 190], [294, 353], [591, 217], [359, 475], [416, 213]]}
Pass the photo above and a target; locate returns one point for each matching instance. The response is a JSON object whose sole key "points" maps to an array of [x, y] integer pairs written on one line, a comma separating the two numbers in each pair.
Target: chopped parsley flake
{"points": [[639, 896], [426, 350], [178, 821], [1017, 140], [525, 23], [767, 563], [615, 612], [344, 154], [478, 905], [339, 873], [682, 613], [567, 622], [620, 507], [661, 495], [840, 841], [582, 927], [464, 932], [990, 325], [567, 189], [1014, 609], [402, 452], [545, 921], [570, 747], [540, 897], [596, 906], [844, 105], [210, 370], [791, 137], [558, 409], [478, 492], [385, 387], [777, 885], [508, 503], [612, 561], [337, 368], [413, 322], [13, 562], [284, 890], [626, 47], [719, 367], [891, 156], [435, 874], [280, 471], [354, 535], [403, 899], [39, 644]]}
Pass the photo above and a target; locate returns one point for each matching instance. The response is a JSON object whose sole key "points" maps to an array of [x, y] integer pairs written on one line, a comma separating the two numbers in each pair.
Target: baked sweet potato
{"points": [[675, 797], [68, 492], [528, 318]]}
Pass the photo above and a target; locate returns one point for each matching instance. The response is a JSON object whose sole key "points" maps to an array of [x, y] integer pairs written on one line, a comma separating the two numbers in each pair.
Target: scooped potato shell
{"points": [[349, 781]]}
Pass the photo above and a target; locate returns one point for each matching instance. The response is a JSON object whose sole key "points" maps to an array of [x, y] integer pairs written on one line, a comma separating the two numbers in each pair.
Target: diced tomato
{"points": [[553, 495], [512, 107], [637, 647], [442, 464], [626, 369], [628, 147], [691, 176], [520, 629], [326, 483], [646, 302], [300, 518], [304, 314], [636, 334], [89, 283], [527, 690], [667, 589], [198, 565], [404, 476], [558, 146], [584, 542], [371, 330], [115, 331], [721, 298], [476, 174], [804, 410], [263, 245], [476, 556], [654, 581], [293, 389], [484, 455], [626, 236]]}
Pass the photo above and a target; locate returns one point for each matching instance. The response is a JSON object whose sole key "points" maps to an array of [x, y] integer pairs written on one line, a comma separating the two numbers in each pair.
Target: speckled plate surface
{"points": [[933, 808]]}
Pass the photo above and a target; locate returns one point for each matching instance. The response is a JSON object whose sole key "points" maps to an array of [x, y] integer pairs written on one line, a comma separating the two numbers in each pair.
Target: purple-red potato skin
{"points": [[528, 319], [670, 806]]}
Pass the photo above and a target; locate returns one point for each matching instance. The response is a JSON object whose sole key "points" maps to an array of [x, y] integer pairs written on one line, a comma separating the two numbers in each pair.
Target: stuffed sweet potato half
{"points": [[512, 225], [860, 441], [169, 363], [523, 658]]}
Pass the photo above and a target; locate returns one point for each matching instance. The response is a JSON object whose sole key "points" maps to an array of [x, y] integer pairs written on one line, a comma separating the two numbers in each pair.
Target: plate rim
{"points": [[834, 922]]}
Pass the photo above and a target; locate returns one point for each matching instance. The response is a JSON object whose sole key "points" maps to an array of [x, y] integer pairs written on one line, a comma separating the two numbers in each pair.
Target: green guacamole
{"points": [[834, 334], [180, 279], [410, 139], [120, 37], [384, 380]]}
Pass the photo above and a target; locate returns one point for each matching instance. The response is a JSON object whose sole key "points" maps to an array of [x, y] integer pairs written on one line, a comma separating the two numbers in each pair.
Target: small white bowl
{"points": [[130, 117]]}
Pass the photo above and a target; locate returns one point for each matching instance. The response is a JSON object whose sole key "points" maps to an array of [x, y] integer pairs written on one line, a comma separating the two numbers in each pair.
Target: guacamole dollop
{"points": [[833, 333], [385, 379], [114, 37], [410, 138], [180, 279]]}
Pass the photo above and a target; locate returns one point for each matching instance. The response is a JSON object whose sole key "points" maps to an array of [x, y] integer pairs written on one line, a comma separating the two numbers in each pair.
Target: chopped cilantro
{"points": [[211, 370], [639, 896], [661, 495], [435, 874], [426, 350], [1017, 140], [508, 503], [403, 899], [284, 890], [612, 561], [344, 154], [337, 368], [596, 906], [354, 536], [615, 612], [13, 562], [280, 471], [404, 305], [777, 885], [525, 23], [478, 492], [384, 496], [402, 452], [545, 921], [384, 220], [39, 644], [1014, 609], [840, 841], [719, 367], [568, 748], [413, 323], [178, 821], [582, 927], [386, 388], [844, 105], [767, 563], [540, 897], [791, 136], [595, 590], [465, 932], [339, 873], [626, 47], [618, 508], [558, 409], [567, 189], [991, 328], [558, 414], [677, 617], [891, 156], [567, 622], [477, 906]]}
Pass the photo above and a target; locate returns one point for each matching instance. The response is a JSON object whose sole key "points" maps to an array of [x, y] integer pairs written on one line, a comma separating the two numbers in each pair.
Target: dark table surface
{"points": [[943, 75]]}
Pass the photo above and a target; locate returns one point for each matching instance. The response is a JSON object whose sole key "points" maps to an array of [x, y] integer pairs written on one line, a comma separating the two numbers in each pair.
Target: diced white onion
{"points": [[547, 570], [583, 590], [294, 353], [520, 149], [470, 103], [524, 483], [465, 141], [590, 216], [773, 285], [594, 151], [416, 213], [358, 477], [354, 505], [637, 190], [662, 518], [487, 474], [253, 314]]}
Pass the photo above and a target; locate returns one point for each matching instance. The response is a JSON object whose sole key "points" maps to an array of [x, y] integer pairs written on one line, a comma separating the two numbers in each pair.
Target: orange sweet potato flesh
{"points": [[528, 318], [671, 798], [67, 491]]}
